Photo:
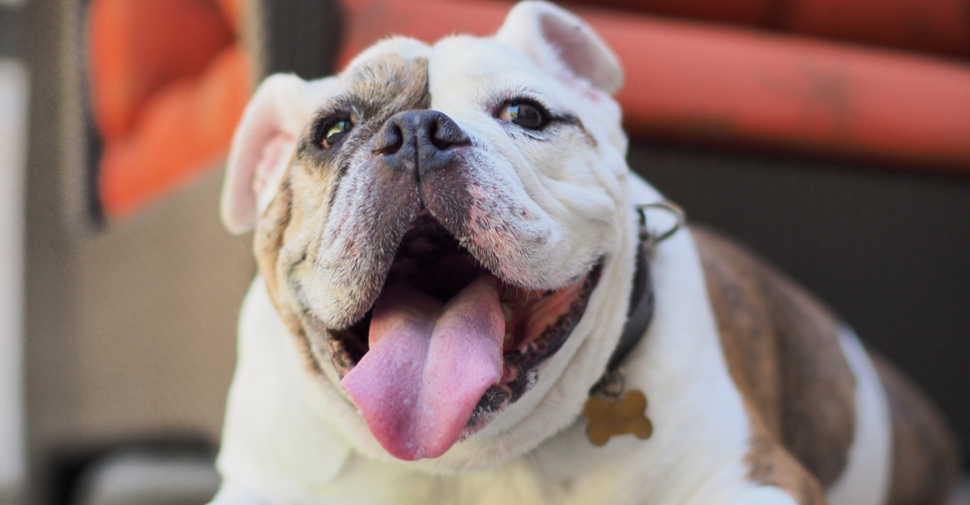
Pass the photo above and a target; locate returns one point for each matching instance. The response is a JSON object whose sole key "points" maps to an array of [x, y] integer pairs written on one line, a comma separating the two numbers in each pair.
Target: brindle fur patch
{"points": [[772, 464], [287, 234], [925, 455], [378, 90], [783, 352]]}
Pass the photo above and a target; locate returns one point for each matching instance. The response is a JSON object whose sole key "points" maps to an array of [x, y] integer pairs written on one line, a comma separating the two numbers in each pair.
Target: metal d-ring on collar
{"points": [[641, 297], [651, 238]]}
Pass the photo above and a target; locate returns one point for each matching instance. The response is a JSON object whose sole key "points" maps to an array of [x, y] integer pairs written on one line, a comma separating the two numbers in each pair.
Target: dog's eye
{"points": [[527, 115], [334, 132]]}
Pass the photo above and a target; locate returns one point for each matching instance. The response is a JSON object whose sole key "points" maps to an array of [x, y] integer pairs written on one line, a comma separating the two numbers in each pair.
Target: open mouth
{"points": [[448, 343]]}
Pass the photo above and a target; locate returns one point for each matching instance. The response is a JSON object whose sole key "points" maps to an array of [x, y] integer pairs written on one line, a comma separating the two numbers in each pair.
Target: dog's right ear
{"points": [[562, 44], [263, 146]]}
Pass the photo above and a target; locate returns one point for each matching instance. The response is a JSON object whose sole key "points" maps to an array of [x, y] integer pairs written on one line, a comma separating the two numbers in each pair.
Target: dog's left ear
{"points": [[561, 44], [263, 145]]}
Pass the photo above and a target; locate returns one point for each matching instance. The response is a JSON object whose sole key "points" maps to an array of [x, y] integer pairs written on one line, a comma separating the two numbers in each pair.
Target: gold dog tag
{"points": [[609, 417]]}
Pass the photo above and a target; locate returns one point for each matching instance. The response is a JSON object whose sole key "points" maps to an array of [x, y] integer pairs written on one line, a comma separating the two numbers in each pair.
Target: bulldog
{"points": [[449, 250]]}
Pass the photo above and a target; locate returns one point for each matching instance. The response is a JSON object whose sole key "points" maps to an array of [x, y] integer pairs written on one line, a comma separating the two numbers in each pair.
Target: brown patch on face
{"points": [[288, 234], [267, 243], [268, 238], [783, 353], [377, 90], [925, 455]]}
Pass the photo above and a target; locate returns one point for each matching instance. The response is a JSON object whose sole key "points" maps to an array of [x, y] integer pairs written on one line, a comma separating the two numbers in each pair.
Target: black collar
{"points": [[641, 295], [640, 313]]}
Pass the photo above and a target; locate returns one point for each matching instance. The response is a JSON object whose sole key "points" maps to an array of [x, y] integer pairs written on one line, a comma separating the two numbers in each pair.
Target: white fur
{"points": [[768, 495], [866, 479], [291, 437], [529, 23]]}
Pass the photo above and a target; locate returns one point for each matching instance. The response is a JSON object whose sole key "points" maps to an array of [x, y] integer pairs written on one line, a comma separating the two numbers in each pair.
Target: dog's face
{"points": [[446, 231]]}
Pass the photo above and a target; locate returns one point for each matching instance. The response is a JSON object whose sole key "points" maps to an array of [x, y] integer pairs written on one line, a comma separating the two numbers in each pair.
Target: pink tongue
{"points": [[428, 366]]}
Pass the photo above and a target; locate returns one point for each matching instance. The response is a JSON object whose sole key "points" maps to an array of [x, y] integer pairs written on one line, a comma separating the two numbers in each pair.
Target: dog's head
{"points": [[446, 231]]}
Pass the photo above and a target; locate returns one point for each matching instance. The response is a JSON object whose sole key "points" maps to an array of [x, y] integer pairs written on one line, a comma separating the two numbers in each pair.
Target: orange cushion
{"points": [[931, 26], [168, 86], [711, 85], [182, 130], [138, 46]]}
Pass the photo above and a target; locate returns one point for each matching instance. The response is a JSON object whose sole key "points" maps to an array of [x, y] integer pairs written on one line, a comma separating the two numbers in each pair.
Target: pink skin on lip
{"points": [[428, 365]]}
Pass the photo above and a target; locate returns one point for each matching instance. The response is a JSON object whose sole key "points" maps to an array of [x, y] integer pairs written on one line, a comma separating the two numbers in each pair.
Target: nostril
{"points": [[389, 139], [444, 133]]}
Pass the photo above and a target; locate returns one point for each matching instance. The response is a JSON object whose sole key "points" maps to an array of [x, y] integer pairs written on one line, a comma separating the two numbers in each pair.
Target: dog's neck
{"points": [[640, 313]]}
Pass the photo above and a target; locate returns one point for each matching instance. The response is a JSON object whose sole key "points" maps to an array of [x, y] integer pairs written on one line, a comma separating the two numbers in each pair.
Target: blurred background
{"points": [[833, 136]]}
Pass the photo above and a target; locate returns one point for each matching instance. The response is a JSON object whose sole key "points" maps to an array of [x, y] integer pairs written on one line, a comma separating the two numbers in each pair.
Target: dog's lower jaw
{"points": [[548, 407], [446, 345], [540, 335]]}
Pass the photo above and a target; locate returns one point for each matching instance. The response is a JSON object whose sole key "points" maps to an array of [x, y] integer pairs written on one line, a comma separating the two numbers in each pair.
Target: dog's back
{"points": [[793, 361]]}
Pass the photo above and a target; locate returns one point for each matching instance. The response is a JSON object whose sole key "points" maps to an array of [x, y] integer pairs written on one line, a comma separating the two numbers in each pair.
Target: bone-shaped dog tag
{"points": [[609, 417]]}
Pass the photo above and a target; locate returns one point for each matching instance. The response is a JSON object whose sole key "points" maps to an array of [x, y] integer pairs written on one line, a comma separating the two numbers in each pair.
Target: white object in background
{"points": [[12, 3], [144, 478], [13, 143]]}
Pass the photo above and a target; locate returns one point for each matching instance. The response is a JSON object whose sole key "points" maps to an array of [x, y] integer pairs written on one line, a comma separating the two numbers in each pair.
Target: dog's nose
{"points": [[421, 140]]}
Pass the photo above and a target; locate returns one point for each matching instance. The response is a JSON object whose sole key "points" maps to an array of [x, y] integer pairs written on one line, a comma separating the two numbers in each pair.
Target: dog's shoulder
{"points": [[782, 349]]}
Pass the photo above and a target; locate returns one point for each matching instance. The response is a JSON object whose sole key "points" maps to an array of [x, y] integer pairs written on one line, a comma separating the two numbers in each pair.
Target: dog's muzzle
{"points": [[448, 342]]}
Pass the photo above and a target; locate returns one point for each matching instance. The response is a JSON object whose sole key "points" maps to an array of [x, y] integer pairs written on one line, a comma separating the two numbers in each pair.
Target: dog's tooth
{"points": [[507, 311], [506, 294], [508, 340]]}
